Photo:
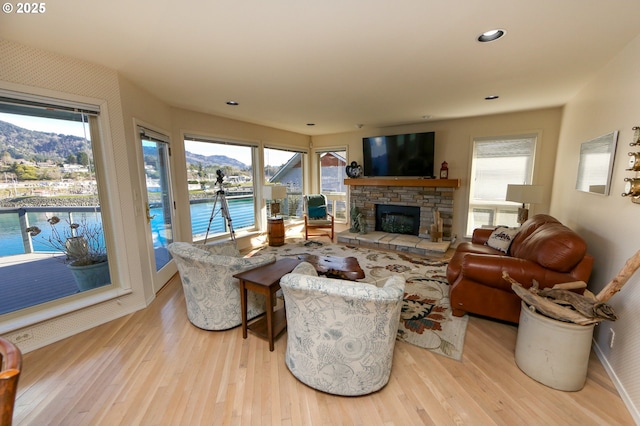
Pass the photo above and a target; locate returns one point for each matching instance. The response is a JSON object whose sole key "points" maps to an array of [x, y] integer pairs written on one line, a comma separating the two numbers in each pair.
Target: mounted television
{"points": [[405, 155]]}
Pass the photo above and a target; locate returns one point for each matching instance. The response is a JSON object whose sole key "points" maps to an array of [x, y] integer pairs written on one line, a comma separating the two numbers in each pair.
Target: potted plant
{"points": [[84, 247]]}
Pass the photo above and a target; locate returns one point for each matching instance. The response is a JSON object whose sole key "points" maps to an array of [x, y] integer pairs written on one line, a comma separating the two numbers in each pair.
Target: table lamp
{"points": [[274, 193], [525, 194]]}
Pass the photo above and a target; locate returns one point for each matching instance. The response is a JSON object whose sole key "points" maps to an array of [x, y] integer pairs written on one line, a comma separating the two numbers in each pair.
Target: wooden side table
{"points": [[265, 280]]}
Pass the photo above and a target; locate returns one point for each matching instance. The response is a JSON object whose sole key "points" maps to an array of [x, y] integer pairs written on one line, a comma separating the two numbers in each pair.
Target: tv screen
{"points": [[399, 155]]}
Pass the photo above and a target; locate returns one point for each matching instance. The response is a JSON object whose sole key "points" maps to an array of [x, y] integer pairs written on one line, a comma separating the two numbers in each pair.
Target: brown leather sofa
{"points": [[543, 250]]}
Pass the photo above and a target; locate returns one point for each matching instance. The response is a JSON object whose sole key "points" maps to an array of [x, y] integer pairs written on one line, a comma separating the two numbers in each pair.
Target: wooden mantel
{"points": [[445, 183]]}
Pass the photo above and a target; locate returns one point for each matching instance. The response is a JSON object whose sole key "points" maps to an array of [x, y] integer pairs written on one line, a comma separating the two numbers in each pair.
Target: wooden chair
{"points": [[316, 216], [11, 363]]}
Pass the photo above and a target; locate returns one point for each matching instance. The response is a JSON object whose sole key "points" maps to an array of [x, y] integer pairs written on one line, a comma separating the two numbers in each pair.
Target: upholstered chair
{"points": [[340, 334], [211, 292]]}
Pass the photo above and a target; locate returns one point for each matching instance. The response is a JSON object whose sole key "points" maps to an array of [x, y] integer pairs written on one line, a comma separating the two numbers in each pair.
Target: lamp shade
{"points": [[274, 192], [525, 194]]}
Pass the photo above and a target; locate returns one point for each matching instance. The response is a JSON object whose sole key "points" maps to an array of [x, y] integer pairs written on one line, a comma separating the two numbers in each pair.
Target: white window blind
{"points": [[497, 162], [12, 102], [219, 141]]}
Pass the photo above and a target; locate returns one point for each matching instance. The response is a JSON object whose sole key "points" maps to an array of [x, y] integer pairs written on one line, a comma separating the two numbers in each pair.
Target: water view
{"points": [[241, 212]]}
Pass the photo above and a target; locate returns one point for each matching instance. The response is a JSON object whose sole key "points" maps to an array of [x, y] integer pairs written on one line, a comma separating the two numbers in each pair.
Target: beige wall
{"points": [[140, 108], [608, 223], [454, 144]]}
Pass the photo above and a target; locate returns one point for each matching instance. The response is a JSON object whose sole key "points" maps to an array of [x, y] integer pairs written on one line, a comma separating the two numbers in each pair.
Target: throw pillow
{"points": [[318, 212], [501, 238]]}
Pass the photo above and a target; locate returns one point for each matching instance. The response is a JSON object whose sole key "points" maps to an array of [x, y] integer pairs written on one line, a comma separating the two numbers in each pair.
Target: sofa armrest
{"points": [[481, 235], [488, 270]]}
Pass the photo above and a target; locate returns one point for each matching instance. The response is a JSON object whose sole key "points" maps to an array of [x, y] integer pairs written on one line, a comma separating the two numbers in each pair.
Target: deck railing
{"points": [[23, 218]]}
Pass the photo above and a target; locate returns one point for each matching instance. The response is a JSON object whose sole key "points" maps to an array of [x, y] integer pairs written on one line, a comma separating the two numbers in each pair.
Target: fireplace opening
{"points": [[398, 219]]}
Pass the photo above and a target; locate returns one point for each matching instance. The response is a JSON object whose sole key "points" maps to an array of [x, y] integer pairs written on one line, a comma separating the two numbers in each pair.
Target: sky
{"points": [[271, 158], [48, 125]]}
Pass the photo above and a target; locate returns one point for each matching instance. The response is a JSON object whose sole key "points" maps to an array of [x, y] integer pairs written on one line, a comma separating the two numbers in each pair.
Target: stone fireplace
{"points": [[424, 195]]}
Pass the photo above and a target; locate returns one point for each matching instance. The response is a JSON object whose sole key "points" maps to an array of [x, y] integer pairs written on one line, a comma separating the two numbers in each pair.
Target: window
{"points": [[496, 163], [214, 165], [332, 167], [51, 222], [286, 167]]}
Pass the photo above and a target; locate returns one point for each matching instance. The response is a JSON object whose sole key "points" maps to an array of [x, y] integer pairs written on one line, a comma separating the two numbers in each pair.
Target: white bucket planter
{"points": [[555, 353]]}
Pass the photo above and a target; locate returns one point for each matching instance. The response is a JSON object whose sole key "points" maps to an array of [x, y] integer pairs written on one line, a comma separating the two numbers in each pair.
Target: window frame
{"points": [[304, 174], [333, 198], [112, 221], [255, 147], [502, 212]]}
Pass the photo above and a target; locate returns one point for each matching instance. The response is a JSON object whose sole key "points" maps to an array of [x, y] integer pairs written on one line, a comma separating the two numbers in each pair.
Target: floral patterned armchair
{"points": [[340, 334], [211, 292]]}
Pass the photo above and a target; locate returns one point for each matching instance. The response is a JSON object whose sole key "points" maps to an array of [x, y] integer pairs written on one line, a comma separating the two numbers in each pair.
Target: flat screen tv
{"points": [[405, 155]]}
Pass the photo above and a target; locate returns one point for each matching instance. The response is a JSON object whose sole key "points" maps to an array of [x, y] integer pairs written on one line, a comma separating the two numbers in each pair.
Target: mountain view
{"points": [[23, 144], [34, 146]]}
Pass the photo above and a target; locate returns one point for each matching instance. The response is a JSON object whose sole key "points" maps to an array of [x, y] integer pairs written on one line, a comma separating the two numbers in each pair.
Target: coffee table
{"points": [[346, 268], [265, 280]]}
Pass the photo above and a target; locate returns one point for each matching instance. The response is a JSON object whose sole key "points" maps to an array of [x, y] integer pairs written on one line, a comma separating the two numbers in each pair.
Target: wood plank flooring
{"points": [[155, 368]]}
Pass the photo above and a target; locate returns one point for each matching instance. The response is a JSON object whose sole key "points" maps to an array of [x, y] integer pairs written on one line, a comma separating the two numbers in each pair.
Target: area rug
{"points": [[426, 320]]}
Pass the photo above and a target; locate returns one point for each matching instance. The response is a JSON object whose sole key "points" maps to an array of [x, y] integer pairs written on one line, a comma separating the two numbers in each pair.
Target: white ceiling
{"points": [[340, 63]]}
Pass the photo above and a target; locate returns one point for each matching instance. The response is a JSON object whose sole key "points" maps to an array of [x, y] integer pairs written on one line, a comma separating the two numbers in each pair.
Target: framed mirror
{"points": [[596, 164]]}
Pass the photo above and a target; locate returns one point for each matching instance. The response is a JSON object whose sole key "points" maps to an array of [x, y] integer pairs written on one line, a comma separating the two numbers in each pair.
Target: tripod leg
{"points": [[213, 213], [225, 213]]}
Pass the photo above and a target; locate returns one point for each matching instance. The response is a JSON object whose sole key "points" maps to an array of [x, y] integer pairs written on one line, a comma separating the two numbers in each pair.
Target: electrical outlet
{"points": [[612, 336]]}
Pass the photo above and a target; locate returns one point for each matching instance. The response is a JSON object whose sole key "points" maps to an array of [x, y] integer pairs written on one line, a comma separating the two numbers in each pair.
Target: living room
{"points": [[605, 103]]}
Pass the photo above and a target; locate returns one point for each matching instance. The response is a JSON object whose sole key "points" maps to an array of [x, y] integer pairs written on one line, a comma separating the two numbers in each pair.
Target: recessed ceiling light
{"points": [[491, 35], [492, 97], [232, 103]]}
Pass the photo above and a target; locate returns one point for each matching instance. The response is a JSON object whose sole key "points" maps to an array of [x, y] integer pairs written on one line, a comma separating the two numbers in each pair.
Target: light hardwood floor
{"points": [[154, 368]]}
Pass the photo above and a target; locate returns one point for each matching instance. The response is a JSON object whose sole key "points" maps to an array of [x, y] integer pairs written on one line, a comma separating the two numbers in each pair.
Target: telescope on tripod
{"points": [[223, 209]]}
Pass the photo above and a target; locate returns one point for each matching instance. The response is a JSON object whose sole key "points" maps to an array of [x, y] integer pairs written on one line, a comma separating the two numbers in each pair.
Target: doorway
{"points": [[159, 206]]}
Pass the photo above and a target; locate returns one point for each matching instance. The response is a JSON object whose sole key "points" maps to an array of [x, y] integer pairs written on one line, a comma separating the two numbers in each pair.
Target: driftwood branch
{"points": [[573, 285], [550, 302], [588, 308], [614, 286]]}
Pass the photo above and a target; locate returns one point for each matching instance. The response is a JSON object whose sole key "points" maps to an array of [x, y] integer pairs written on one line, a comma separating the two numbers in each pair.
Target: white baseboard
{"points": [[633, 410]]}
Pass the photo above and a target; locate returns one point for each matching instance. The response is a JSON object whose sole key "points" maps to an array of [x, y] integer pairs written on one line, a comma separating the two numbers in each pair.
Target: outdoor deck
{"points": [[32, 279]]}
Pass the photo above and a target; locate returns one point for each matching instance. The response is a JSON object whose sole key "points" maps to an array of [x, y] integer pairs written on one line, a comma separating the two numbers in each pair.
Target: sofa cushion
{"points": [[529, 227], [553, 246], [501, 238]]}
